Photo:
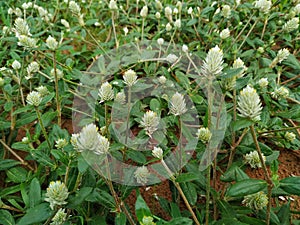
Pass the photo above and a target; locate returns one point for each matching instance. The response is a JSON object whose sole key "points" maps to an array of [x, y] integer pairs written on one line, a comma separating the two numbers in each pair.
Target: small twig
{"points": [[291, 79]]}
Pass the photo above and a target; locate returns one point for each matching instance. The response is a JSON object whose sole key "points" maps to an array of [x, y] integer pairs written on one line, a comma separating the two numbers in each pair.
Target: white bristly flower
{"points": [[59, 218], [263, 82], [168, 13], [253, 159], [16, 65], [249, 104], [130, 77], [157, 152], [157, 15], [34, 98], [61, 143], [204, 134], [296, 9], [290, 136], [177, 23], [74, 142], [213, 63], [226, 11], [162, 79], [144, 11], [147, 220], [263, 5], [168, 27], [74, 8], [125, 29], [21, 27], [51, 43], [279, 93], [120, 97], [158, 5], [150, 122], [291, 25], [57, 193], [238, 63], [65, 23], [225, 33], [42, 90], [190, 11], [141, 175], [112, 5], [171, 58], [256, 201], [27, 42], [59, 73], [160, 41], [33, 67], [177, 104], [106, 92], [282, 54]]}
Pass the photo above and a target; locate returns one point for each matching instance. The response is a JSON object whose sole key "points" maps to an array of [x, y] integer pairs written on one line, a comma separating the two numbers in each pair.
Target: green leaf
{"points": [[183, 79], [186, 177], [82, 164], [120, 219], [175, 210], [234, 173], [37, 214], [284, 214], [6, 218], [79, 197], [291, 185], [8, 163], [180, 221], [34, 193], [250, 220], [8, 106], [231, 221], [241, 123], [246, 187], [192, 22], [225, 209], [155, 105], [230, 73], [272, 157], [190, 192], [17, 174], [141, 208]]}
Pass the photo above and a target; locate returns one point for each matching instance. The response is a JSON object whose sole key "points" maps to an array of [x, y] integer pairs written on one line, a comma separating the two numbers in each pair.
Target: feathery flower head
{"points": [[279, 93], [27, 42], [59, 218], [113, 5], [290, 136], [130, 77], [150, 122], [263, 5], [157, 15], [21, 27], [65, 23], [253, 159], [168, 27], [212, 65], [263, 82], [177, 104], [59, 73], [74, 141], [158, 5], [120, 97], [42, 90], [61, 143], [168, 13], [185, 48], [256, 201], [226, 11], [51, 43], [291, 25], [106, 92], [177, 23], [25, 140], [16, 65], [144, 11], [74, 8], [225, 33], [147, 220], [160, 41], [33, 67], [141, 175], [171, 58], [249, 104], [157, 152], [57, 193], [204, 134], [34, 98], [282, 54], [162, 79], [238, 63]]}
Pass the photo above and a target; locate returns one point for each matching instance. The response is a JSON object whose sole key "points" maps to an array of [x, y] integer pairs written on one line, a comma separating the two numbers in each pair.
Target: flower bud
{"points": [[106, 92], [144, 12], [253, 159], [177, 104], [34, 98], [157, 152], [291, 25], [290, 136], [61, 143], [256, 201], [204, 134], [177, 23], [57, 193], [225, 33], [263, 82], [59, 218], [279, 93], [226, 11], [160, 41], [113, 5], [130, 77], [16, 65], [51, 43], [141, 175]]}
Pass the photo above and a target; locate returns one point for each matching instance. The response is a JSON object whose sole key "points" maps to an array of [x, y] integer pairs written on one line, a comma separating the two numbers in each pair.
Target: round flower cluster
{"points": [[57, 193], [253, 159], [178, 106], [141, 175], [256, 201], [204, 134]]}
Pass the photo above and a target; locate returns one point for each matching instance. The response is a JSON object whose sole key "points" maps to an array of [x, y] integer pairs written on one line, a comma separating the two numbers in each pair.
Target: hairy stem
{"points": [[43, 128], [58, 108]]}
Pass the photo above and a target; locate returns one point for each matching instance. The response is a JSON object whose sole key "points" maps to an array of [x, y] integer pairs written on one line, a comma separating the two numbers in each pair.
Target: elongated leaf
{"points": [[120, 219], [180, 221], [246, 187], [190, 192], [291, 185], [34, 193], [6, 218], [141, 208], [36, 215], [8, 163], [186, 177], [17, 174]]}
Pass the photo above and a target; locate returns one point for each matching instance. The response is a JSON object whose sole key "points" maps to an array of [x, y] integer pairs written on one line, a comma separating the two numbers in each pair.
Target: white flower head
{"points": [[74, 8], [213, 63], [106, 92], [249, 104], [168, 27], [147, 220], [158, 5], [290, 136], [113, 5], [26, 41], [238, 63], [157, 152], [280, 92], [175, 11], [51, 43], [144, 11], [59, 218], [61, 143], [59, 73], [256, 201], [168, 13], [291, 25], [57, 193], [34, 98], [282, 54], [162, 79], [120, 97], [157, 15], [42, 90], [253, 159], [141, 175], [16, 65], [150, 122], [65, 23], [21, 27], [171, 58], [225, 33], [263, 5], [125, 29], [204, 134], [160, 41], [263, 82], [190, 11], [177, 23], [25, 140], [226, 11], [130, 77], [33, 67], [296, 9], [177, 104], [74, 141]]}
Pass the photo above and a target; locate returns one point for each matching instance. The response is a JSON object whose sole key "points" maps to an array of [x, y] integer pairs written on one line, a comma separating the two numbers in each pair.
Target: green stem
{"points": [[279, 130], [207, 195], [43, 127], [114, 28], [128, 114], [245, 38], [264, 29], [58, 108], [267, 175], [143, 24]]}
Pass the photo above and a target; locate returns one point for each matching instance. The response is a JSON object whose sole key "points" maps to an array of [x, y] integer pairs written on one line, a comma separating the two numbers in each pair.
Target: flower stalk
{"points": [[43, 127]]}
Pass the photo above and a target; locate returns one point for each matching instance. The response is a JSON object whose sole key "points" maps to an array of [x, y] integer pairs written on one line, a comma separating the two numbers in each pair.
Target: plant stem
{"points": [[180, 192], [43, 127], [143, 24], [56, 91], [264, 29], [267, 175], [128, 114], [207, 195], [245, 38], [114, 28], [279, 130]]}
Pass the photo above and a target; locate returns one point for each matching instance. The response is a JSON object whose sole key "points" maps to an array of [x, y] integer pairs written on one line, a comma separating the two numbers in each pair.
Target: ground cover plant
{"points": [[102, 102]]}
